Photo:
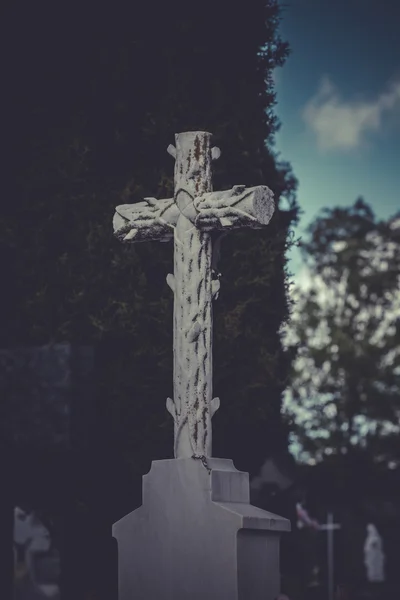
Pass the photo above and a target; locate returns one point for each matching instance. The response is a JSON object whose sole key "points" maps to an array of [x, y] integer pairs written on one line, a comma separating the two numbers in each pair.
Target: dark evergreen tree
{"points": [[98, 97]]}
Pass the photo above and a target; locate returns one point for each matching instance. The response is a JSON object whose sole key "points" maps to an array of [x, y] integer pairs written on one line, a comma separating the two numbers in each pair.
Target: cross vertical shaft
{"points": [[192, 408]]}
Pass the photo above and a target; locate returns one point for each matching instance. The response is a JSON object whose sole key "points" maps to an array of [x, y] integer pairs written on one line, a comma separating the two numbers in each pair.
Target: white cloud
{"points": [[343, 124]]}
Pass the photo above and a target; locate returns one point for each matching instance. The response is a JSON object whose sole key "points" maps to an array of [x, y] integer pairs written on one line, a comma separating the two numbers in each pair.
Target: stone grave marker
{"points": [[196, 534]]}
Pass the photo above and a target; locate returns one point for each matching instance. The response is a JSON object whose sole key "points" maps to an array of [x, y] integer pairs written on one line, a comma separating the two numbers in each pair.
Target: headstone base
{"points": [[197, 536]]}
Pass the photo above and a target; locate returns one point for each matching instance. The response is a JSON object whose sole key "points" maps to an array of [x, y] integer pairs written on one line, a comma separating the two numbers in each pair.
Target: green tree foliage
{"points": [[344, 394], [99, 96]]}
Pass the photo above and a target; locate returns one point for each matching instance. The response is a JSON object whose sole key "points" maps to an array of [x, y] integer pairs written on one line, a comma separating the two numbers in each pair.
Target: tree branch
{"points": [[149, 220]]}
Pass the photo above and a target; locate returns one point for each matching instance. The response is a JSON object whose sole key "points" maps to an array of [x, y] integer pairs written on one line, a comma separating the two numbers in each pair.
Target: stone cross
{"points": [[330, 527], [189, 218]]}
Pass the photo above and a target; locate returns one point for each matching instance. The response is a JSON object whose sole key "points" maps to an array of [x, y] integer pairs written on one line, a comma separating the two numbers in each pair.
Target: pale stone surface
{"points": [[188, 219], [196, 536]]}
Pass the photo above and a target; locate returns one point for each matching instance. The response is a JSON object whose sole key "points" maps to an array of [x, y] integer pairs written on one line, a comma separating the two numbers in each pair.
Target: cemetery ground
{"points": [[301, 550], [327, 562]]}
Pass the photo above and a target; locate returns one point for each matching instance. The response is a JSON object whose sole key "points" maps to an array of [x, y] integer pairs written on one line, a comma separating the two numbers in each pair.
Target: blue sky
{"points": [[339, 103]]}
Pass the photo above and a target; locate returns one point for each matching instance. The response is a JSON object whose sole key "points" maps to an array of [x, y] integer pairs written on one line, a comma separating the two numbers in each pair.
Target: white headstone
{"points": [[196, 535], [374, 556], [30, 532], [22, 527]]}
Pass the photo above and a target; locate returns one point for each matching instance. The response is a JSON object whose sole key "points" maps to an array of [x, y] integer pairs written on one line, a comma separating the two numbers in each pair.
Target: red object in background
{"points": [[304, 519], [342, 593]]}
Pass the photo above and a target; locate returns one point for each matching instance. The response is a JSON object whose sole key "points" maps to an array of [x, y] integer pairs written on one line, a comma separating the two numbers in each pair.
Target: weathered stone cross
{"points": [[189, 218]]}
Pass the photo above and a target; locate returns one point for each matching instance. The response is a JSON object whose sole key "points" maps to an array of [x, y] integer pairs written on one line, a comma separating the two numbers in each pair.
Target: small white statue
{"points": [[374, 556]]}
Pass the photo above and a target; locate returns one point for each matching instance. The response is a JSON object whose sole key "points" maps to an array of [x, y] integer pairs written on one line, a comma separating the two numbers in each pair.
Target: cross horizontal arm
{"points": [[189, 218], [149, 220], [235, 208]]}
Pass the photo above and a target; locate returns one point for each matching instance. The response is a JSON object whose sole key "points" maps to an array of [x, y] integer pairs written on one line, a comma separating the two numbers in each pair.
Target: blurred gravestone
{"points": [[45, 395], [48, 423], [34, 383]]}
